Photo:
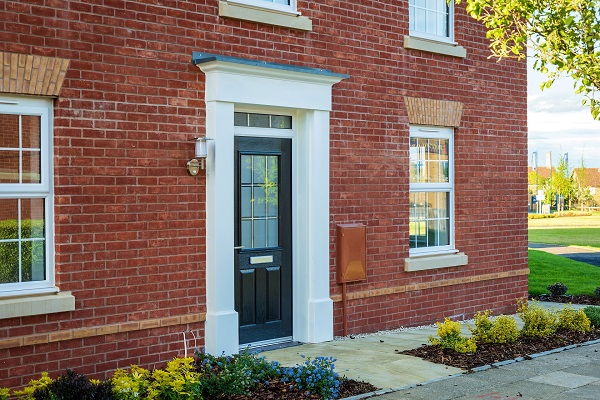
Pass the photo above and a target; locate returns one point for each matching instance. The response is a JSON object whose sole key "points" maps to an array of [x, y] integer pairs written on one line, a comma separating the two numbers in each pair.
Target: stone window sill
{"points": [[264, 16], [432, 46], [36, 305], [423, 263]]}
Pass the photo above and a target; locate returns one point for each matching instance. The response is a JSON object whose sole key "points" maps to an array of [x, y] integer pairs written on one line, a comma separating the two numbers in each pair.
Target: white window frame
{"points": [[42, 107], [436, 132], [431, 36], [291, 8]]}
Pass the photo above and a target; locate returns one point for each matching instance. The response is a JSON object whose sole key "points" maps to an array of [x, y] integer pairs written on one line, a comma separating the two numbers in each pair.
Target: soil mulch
{"points": [[573, 299], [277, 390], [487, 354]]}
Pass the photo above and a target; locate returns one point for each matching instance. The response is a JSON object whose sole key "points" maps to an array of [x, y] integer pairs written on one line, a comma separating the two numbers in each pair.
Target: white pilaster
{"points": [[221, 328]]}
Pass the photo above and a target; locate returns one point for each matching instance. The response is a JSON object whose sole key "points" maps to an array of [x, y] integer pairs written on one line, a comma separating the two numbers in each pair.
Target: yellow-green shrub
{"points": [[573, 320], [4, 393], [179, 380], [27, 392], [501, 330], [449, 337], [132, 384], [538, 321]]}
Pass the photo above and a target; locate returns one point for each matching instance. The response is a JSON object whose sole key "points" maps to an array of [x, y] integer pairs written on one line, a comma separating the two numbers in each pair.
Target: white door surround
{"points": [[239, 84]]}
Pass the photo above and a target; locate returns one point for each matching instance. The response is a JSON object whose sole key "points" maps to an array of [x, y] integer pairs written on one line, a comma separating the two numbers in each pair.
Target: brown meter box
{"points": [[351, 253]]}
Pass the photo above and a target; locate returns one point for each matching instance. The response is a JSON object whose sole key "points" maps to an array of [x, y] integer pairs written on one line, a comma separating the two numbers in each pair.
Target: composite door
{"points": [[263, 252]]}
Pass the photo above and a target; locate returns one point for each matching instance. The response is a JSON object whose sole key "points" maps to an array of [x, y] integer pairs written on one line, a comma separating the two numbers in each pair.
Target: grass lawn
{"points": [[566, 236], [546, 269]]}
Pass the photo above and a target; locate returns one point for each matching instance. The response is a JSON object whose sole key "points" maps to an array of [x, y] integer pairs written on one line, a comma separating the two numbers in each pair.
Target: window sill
{"points": [[432, 46], [424, 263], [36, 305], [263, 15]]}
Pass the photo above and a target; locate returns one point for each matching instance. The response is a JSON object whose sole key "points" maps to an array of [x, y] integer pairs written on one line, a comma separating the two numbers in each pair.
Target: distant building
{"points": [[591, 179]]}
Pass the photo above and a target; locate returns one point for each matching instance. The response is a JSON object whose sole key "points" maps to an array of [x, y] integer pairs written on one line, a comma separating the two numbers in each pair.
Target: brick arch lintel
{"points": [[422, 111], [31, 74]]}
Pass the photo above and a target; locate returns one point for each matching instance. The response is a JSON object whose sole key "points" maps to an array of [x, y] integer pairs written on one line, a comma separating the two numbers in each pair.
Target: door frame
{"points": [[241, 85]]}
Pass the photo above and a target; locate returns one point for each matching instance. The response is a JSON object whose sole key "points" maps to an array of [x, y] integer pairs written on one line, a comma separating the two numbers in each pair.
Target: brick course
{"points": [[129, 221]]}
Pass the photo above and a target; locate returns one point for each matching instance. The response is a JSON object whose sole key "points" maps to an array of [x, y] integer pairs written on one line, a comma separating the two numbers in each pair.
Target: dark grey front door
{"points": [[263, 253]]}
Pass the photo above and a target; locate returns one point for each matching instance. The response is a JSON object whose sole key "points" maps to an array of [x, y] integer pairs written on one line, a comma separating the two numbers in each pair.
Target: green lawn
{"points": [[566, 236], [546, 269]]}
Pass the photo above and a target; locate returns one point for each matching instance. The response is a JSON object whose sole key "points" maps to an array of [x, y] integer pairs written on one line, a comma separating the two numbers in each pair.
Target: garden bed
{"points": [[567, 298], [490, 353], [277, 390]]}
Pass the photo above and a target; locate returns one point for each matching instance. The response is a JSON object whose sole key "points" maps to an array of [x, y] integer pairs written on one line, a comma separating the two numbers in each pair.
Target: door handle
{"points": [[238, 247]]}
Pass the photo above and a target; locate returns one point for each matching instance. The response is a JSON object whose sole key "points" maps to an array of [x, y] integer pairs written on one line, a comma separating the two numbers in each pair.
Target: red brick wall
{"points": [[129, 220]]}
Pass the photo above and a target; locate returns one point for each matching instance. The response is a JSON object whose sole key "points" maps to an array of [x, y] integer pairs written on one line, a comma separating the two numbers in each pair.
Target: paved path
{"points": [[571, 374], [582, 254]]}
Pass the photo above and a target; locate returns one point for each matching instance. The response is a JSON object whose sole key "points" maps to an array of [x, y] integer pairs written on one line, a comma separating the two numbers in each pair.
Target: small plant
{"points": [[572, 320], [132, 384], [502, 330], [557, 289], [314, 377], [225, 375], [178, 381], [74, 386], [538, 321], [449, 337], [27, 392], [597, 291], [593, 313], [4, 394]]}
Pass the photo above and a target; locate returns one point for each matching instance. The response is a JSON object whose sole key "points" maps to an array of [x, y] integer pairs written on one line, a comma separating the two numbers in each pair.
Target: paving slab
{"points": [[564, 379]]}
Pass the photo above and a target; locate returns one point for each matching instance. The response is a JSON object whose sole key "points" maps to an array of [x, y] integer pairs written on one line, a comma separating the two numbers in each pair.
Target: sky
{"points": [[558, 123]]}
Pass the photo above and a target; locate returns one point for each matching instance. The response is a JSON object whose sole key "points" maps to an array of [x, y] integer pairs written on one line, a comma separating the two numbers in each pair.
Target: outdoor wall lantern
{"points": [[194, 166]]}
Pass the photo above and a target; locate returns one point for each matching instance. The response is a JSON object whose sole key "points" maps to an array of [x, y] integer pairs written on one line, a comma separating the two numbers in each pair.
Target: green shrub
{"points": [[27, 392], [557, 289], [233, 375], [593, 313], [597, 291], [314, 377], [449, 337], [538, 321], [572, 320], [178, 381], [71, 386], [130, 384], [503, 329], [4, 394]]}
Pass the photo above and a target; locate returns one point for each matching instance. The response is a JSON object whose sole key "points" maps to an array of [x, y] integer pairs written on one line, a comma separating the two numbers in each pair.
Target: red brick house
{"points": [[389, 115]]}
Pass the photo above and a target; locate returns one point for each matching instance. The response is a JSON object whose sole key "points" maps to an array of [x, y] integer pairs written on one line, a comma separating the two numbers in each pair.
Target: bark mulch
{"points": [[573, 299], [491, 353], [277, 390]]}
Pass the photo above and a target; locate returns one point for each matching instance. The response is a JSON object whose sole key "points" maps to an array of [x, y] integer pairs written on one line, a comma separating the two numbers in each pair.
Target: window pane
{"points": [[32, 218], [9, 212], [247, 234], [32, 265], [286, 2], [246, 166], [273, 233], [260, 202], [9, 262], [31, 167], [9, 131], [281, 121], [246, 201], [240, 119], [259, 169], [30, 129], [420, 21], [259, 236], [9, 166], [259, 120]]}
